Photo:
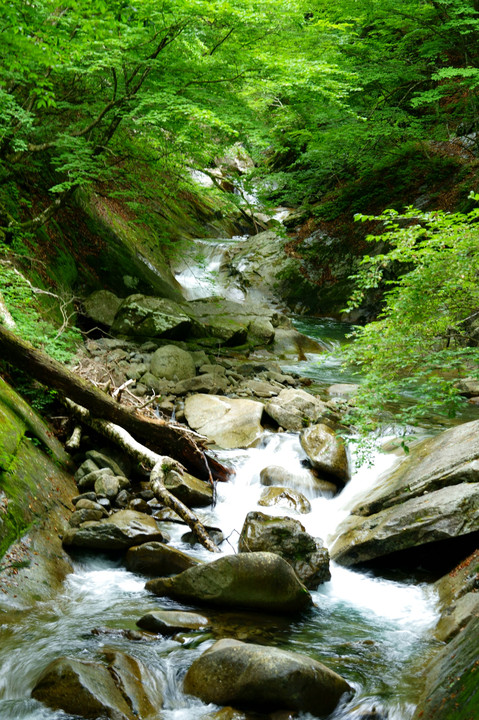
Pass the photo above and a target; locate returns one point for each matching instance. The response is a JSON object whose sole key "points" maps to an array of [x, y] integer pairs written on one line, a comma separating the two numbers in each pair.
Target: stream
{"points": [[373, 631]]}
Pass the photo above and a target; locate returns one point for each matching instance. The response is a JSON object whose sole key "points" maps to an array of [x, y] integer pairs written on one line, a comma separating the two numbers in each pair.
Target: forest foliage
{"points": [[320, 94]]}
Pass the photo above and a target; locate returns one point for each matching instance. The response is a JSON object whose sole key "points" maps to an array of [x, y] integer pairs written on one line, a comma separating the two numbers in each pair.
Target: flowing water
{"points": [[371, 630]]}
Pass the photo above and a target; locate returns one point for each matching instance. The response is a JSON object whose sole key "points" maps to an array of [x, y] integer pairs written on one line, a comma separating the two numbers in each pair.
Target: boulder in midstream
{"points": [[288, 538], [170, 622], [260, 580], [326, 451], [285, 497], [157, 559], [264, 679], [294, 408]]}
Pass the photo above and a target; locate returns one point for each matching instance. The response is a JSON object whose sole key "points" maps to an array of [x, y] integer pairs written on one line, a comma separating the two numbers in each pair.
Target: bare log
{"points": [[159, 435], [159, 465], [73, 443]]}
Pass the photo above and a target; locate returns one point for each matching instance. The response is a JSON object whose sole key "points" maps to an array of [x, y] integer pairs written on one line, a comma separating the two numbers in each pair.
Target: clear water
{"points": [[372, 631], [368, 629]]}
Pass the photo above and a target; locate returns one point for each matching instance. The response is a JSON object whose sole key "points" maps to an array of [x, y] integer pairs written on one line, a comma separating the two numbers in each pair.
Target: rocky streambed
{"points": [[148, 624]]}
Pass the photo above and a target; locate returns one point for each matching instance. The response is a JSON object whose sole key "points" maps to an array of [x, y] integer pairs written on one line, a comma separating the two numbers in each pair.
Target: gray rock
{"points": [[85, 468], [117, 532], [440, 515], [326, 451], [285, 497], [276, 475], [250, 580], [260, 331], [108, 486], [80, 516], [91, 496], [264, 679], [170, 622], [102, 306], [447, 459], [172, 363], [158, 559], [87, 482], [213, 384], [191, 491], [85, 504], [288, 538], [143, 316], [230, 423], [293, 409]]}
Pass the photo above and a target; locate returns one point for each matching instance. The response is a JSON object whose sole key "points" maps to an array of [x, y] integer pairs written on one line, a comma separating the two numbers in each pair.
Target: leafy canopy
{"points": [[424, 337]]}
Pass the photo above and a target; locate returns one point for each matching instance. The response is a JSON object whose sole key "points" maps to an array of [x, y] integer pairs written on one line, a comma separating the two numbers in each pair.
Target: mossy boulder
{"points": [[120, 531], [145, 316], [157, 559], [172, 363], [259, 580]]}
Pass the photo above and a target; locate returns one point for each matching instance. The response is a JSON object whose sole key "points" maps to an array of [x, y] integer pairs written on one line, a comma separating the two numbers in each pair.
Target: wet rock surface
{"points": [[260, 580], [288, 538], [118, 691], [264, 678]]}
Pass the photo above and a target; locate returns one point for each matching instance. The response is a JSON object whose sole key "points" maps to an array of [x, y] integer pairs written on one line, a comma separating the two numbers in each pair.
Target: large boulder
{"points": [[450, 458], [326, 451], [288, 538], [261, 580], [441, 515], [120, 531], [120, 691], [172, 363], [293, 409], [102, 306], [157, 559], [264, 679], [144, 316], [289, 342], [230, 423]]}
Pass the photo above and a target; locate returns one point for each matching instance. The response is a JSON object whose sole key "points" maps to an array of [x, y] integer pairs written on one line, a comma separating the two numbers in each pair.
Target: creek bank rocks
{"points": [[121, 690], [287, 538], [260, 580], [433, 495], [264, 679], [120, 531], [442, 515]]}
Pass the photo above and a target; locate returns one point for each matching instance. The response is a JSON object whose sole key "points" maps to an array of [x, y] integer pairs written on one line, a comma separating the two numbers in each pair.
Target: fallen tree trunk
{"points": [[159, 435], [158, 464]]}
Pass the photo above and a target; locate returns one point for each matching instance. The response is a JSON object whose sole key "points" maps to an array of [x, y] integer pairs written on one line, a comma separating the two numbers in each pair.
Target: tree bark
{"points": [[158, 435], [160, 466]]}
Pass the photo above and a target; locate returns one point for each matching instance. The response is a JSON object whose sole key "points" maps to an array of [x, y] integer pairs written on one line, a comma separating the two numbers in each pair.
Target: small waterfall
{"points": [[201, 270]]}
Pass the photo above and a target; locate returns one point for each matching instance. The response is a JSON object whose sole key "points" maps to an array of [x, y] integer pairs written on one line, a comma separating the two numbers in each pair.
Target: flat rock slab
{"points": [[264, 679], [441, 515], [260, 580], [117, 532], [230, 423], [450, 458]]}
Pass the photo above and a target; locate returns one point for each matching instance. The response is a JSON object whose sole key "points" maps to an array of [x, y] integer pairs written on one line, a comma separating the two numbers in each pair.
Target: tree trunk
{"points": [[158, 435]]}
